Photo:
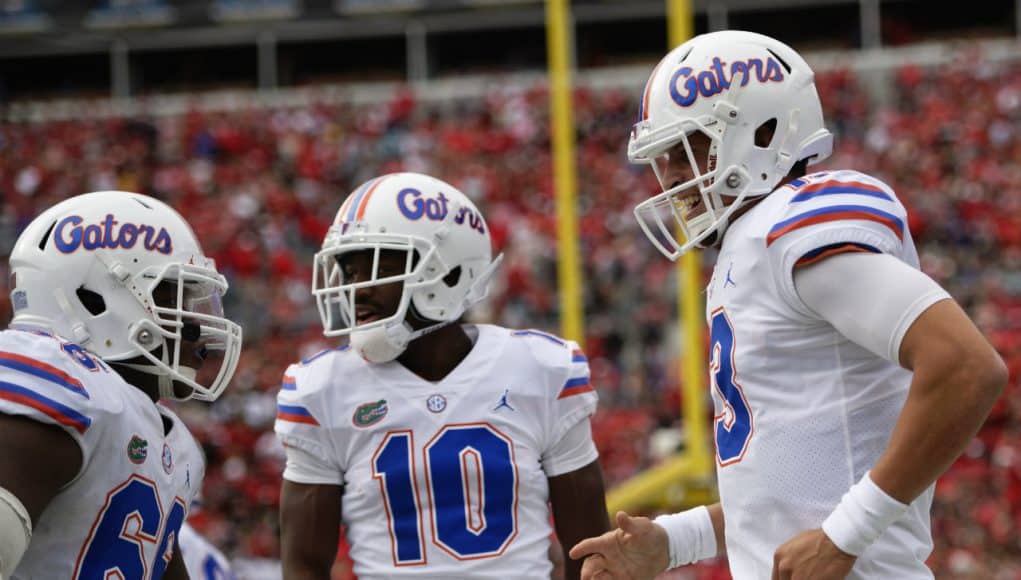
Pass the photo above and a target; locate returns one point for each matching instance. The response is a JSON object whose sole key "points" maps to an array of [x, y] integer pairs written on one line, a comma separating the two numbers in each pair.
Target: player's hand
{"points": [[636, 550], [811, 556]]}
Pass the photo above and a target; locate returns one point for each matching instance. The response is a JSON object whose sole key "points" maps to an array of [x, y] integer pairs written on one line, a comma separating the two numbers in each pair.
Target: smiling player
{"points": [[440, 444]]}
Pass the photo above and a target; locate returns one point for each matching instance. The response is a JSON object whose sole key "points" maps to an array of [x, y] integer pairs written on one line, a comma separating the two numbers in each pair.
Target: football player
{"points": [[439, 444], [115, 307], [845, 381]]}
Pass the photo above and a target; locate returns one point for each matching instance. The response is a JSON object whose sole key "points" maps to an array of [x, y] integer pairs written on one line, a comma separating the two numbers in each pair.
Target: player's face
{"points": [[378, 301], [193, 345], [679, 170]]}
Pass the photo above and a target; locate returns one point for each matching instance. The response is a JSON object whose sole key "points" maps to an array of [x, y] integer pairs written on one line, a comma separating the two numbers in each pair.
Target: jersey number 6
{"points": [[131, 520], [472, 486]]}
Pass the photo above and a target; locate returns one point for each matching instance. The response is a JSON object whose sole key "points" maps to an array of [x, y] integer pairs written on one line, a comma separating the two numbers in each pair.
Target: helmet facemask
{"points": [[684, 214], [387, 335], [187, 340]]}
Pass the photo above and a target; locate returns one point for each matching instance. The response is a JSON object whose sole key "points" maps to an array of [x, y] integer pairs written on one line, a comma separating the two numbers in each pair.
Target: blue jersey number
{"points": [[131, 519], [472, 485], [733, 426]]}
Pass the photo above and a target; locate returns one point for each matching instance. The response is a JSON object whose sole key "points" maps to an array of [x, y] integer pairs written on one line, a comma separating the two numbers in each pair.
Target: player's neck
{"points": [[433, 356], [144, 382]]}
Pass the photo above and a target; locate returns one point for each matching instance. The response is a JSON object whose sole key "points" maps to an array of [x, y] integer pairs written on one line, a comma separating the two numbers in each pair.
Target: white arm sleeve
{"points": [[872, 299], [573, 451]]}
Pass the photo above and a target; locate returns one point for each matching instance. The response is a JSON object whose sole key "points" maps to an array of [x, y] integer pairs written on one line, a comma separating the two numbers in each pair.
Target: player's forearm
{"points": [[944, 410], [299, 571]]}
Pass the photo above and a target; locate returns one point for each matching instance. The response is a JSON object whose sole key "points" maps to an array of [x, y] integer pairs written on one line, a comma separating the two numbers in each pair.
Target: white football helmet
{"points": [[725, 85], [90, 270], [447, 267]]}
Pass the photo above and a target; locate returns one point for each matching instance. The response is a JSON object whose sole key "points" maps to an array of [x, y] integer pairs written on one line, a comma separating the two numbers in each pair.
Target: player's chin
{"points": [[182, 390]]}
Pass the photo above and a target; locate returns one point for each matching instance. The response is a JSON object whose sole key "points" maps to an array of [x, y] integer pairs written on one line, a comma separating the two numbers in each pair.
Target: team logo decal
{"points": [[687, 84], [436, 403], [138, 450], [70, 234], [168, 459], [414, 207], [369, 413]]}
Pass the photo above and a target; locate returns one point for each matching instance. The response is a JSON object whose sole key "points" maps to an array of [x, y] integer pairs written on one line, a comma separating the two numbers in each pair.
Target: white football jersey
{"points": [[801, 412], [441, 479], [120, 516], [202, 559]]}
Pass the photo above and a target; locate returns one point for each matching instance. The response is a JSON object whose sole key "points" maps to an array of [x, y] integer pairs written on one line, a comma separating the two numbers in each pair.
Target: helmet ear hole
{"points": [[452, 277], [92, 301], [764, 134], [46, 236]]}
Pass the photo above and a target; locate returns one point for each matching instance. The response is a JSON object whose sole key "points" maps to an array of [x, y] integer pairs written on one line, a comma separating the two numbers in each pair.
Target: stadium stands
{"points": [[262, 186]]}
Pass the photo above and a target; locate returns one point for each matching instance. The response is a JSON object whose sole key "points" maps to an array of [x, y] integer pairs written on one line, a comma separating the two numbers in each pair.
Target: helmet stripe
{"points": [[346, 212], [365, 199], [643, 107], [357, 199]]}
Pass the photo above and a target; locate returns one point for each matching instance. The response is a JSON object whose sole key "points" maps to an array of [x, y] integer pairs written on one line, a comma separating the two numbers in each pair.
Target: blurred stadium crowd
{"points": [[261, 187]]}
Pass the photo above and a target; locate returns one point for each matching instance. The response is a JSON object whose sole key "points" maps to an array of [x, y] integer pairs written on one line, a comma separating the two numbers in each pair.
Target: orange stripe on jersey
{"points": [[576, 387], [833, 214]]}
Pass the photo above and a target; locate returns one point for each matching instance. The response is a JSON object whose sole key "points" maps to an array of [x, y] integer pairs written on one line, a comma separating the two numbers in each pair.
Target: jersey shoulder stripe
{"points": [[836, 213], [576, 386], [808, 192], [43, 371], [824, 252], [57, 411], [295, 414], [289, 383]]}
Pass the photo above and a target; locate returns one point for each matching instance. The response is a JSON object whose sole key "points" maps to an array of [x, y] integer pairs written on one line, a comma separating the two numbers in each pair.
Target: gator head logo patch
{"points": [[369, 413], [138, 450]]}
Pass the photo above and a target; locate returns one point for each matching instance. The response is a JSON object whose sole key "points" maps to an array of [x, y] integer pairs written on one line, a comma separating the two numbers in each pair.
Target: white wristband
{"points": [[690, 535], [862, 515]]}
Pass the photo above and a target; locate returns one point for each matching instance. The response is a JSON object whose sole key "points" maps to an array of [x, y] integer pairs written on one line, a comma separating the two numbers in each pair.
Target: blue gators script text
{"points": [[70, 234], [414, 207], [716, 80]]}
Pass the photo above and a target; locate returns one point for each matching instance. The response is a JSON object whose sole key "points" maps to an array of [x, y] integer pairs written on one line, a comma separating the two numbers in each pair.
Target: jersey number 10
{"points": [[472, 487]]}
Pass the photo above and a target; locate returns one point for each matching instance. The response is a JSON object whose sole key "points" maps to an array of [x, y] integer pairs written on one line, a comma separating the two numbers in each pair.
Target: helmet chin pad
{"points": [[381, 344]]}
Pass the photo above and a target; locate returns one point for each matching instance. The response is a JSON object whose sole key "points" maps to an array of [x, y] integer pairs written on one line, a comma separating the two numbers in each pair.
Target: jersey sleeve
{"points": [[832, 213], [569, 445], [37, 384], [306, 441]]}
